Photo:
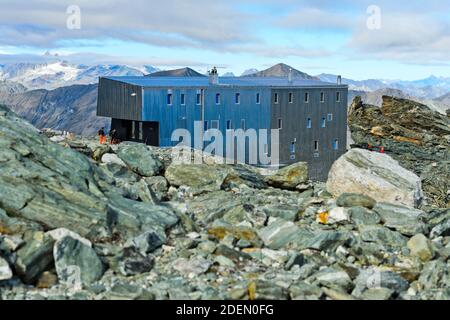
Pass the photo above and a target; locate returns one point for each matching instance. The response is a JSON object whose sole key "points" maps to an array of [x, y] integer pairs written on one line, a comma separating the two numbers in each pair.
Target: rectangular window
{"points": [[306, 97], [322, 97], [291, 97], [237, 98], [217, 98], [293, 147], [330, 117], [280, 123], [316, 145], [275, 98], [309, 123], [133, 129], [324, 122], [183, 99], [229, 125], [338, 96], [169, 99], [335, 144], [214, 124], [205, 125], [258, 98], [243, 124], [199, 99]]}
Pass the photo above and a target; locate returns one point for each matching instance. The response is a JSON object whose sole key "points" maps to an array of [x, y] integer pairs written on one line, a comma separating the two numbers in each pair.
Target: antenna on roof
{"points": [[213, 76]]}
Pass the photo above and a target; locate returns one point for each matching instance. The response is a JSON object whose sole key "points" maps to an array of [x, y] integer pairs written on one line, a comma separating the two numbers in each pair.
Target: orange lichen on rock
{"points": [[406, 139], [377, 131]]}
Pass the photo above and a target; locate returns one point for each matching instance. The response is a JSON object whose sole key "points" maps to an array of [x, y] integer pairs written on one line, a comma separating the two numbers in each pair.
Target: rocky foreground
{"points": [[84, 221]]}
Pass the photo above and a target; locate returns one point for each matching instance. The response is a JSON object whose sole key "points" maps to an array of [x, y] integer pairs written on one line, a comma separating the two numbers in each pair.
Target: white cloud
{"points": [[407, 37], [316, 18]]}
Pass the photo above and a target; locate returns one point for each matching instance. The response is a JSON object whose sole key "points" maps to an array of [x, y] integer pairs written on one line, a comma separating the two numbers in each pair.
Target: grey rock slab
{"points": [[139, 158], [77, 264], [408, 221]]}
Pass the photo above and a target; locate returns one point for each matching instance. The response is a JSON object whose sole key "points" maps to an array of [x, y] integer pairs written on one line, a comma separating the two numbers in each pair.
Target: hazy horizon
{"points": [[395, 41]]}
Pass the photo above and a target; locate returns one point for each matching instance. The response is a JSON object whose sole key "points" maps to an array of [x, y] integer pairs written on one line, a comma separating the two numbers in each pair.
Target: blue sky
{"points": [[322, 36]]}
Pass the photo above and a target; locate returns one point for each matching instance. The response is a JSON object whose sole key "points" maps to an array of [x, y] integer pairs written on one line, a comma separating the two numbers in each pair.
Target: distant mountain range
{"points": [[425, 89], [71, 108], [64, 96], [183, 72], [57, 74], [281, 70]]}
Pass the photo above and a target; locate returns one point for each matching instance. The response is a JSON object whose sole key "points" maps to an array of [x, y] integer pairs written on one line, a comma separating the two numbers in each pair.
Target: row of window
{"points": [[215, 125], [276, 99], [237, 98], [335, 146], [229, 123]]}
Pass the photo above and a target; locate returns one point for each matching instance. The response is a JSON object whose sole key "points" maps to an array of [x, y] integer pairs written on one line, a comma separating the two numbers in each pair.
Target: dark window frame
{"points": [[237, 98], [218, 99]]}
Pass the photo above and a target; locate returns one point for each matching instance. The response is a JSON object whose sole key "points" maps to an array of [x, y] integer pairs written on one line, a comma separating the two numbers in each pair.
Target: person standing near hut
{"points": [[102, 136]]}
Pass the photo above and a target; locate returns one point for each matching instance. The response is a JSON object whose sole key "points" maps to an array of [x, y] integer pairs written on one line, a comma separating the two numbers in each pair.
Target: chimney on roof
{"points": [[213, 76], [290, 75], [339, 80]]}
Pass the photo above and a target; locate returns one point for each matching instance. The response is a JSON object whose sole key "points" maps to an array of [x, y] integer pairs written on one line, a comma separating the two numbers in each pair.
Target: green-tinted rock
{"points": [[377, 294], [140, 159], [406, 220], [382, 236], [278, 234], [363, 216], [355, 200], [35, 257], [76, 263], [290, 176]]}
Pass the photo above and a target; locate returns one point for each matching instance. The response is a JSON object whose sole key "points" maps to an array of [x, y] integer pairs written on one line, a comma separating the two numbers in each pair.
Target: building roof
{"points": [[202, 82]]}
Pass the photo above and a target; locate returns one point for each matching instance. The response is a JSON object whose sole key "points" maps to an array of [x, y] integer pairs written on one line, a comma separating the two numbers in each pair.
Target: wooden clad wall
{"points": [[115, 100]]}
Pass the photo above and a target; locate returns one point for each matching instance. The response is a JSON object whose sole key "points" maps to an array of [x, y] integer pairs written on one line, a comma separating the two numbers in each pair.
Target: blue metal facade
{"points": [[149, 110], [155, 107]]}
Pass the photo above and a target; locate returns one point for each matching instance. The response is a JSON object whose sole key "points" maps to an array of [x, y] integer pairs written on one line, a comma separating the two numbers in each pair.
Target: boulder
{"points": [[112, 158], [363, 216], [60, 233], [99, 150], [200, 178], [76, 263], [421, 247], [5, 270], [148, 242], [406, 220], [375, 175], [207, 178], [131, 262], [278, 233], [289, 177], [139, 158], [192, 267], [35, 257], [383, 236], [333, 278], [354, 200], [337, 215]]}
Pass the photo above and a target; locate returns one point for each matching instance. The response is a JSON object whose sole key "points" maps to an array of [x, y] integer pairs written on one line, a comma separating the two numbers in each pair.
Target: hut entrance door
{"points": [[151, 133]]}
